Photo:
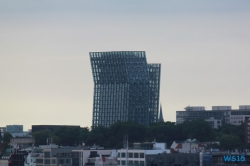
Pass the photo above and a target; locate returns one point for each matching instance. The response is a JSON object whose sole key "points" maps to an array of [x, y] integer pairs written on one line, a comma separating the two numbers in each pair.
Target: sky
{"points": [[45, 72]]}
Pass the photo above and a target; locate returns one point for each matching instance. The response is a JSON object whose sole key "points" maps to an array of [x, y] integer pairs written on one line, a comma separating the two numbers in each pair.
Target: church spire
{"points": [[160, 119]]}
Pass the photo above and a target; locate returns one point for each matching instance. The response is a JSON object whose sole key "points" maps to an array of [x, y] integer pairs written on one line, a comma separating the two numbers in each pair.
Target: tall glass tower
{"points": [[126, 88]]}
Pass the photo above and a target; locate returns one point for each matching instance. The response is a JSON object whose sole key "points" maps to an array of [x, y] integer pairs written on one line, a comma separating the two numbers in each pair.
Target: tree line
{"points": [[230, 136]]}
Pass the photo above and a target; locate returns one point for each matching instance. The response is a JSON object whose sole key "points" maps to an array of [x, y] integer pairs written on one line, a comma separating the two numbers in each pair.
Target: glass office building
{"points": [[126, 88]]}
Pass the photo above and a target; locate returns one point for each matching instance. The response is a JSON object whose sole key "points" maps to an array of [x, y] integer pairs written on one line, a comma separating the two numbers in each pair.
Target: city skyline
{"points": [[45, 73]]}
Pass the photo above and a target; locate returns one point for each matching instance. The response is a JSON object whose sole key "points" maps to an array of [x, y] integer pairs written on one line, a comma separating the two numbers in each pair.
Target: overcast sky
{"points": [[45, 72]]}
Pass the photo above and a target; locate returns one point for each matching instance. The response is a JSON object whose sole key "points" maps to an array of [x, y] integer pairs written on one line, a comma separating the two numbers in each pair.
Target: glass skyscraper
{"points": [[126, 88]]}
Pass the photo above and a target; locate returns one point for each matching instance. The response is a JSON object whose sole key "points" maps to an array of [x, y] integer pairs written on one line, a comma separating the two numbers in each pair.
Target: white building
{"points": [[190, 146], [137, 155], [4, 160], [54, 155], [237, 117], [91, 156]]}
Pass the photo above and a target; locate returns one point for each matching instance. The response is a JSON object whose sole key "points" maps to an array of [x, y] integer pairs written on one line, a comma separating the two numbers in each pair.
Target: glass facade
{"points": [[126, 88]]}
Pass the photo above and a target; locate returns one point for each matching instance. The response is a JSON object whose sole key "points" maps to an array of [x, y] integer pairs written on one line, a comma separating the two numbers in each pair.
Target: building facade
{"points": [[136, 156], [199, 159], [22, 140], [2, 130], [50, 155], [83, 157], [173, 159], [54, 155], [36, 128], [14, 128], [126, 88], [216, 117], [237, 117], [247, 130]]}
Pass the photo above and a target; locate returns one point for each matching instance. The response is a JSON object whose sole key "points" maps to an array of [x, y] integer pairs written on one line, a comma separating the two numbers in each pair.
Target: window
{"points": [[53, 161], [141, 155], [130, 155], [61, 161], [46, 154], [136, 155], [47, 161], [68, 161], [123, 155], [39, 161]]}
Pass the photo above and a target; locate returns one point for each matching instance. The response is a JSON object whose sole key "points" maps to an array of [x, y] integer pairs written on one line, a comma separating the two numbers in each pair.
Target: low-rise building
{"points": [[36, 128], [4, 159], [14, 128], [137, 154], [90, 156], [13, 157], [1, 147], [54, 155], [247, 130], [21, 140], [216, 117], [50, 155], [229, 158], [173, 159], [190, 146], [2, 130], [218, 158], [237, 117]]}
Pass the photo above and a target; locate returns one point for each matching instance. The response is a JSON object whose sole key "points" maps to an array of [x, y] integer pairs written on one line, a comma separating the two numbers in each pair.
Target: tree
{"points": [[162, 132], [197, 129], [229, 142], [7, 136], [97, 136], [230, 129], [69, 136], [6, 139], [42, 136], [84, 133]]}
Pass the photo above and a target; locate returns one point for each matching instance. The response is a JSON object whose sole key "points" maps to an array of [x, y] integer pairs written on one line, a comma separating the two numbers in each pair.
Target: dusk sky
{"points": [[45, 72]]}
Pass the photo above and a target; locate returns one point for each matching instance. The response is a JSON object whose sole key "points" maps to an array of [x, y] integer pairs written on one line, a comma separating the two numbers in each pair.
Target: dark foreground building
{"points": [[197, 159], [52, 127], [16, 158], [173, 159], [126, 88]]}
